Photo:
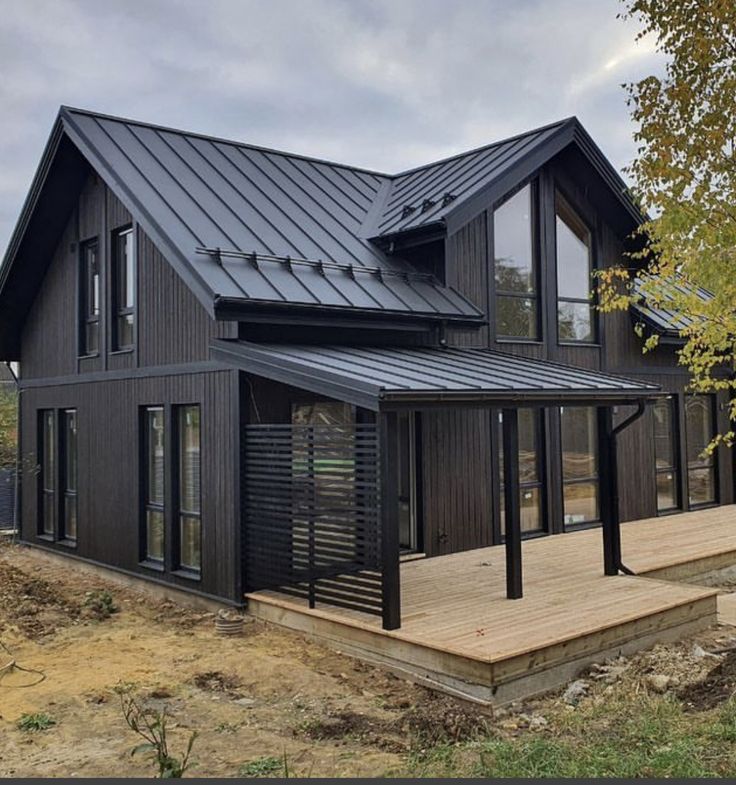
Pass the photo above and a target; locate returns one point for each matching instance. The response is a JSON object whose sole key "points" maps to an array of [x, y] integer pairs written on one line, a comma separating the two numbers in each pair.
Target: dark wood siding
{"points": [[109, 472]]}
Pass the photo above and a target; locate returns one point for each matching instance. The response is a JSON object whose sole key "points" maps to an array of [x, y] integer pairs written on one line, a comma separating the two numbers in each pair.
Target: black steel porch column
{"points": [[512, 515], [608, 474], [390, 578]]}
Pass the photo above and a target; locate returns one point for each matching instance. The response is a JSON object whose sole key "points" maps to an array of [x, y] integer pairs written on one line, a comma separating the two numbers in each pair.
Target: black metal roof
{"points": [[667, 323], [379, 377]]}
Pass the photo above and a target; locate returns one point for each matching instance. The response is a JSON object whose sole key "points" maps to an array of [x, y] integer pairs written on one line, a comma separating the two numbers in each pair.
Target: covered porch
{"points": [[460, 634]]}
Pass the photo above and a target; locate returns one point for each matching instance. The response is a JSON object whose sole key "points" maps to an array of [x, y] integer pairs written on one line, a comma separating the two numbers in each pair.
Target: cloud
{"points": [[387, 84]]}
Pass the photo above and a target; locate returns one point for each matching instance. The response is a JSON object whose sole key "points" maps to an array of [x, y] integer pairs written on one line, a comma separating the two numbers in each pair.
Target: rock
{"points": [[245, 702], [537, 722], [658, 682], [576, 692]]}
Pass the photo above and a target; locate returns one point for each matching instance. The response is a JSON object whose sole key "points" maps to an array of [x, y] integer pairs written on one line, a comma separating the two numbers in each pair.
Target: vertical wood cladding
{"points": [[457, 470], [109, 471]]}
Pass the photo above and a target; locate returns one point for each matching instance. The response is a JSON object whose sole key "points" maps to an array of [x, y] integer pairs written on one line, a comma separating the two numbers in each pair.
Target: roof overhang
{"points": [[384, 378]]}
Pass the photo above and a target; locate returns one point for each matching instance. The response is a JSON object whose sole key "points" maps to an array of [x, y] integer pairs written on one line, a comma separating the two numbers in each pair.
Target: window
{"points": [[407, 483], [515, 270], [47, 472], [579, 433], [190, 508], [123, 293], [69, 475], [575, 314], [154, 472], [530, 470], [701, 466], [665, 455], [89, 296]]}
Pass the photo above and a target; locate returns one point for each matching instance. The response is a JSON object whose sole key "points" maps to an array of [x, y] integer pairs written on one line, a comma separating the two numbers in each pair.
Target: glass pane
{"points": [[574, 321], [93, 281], [189, 459], [155, 447], [48, 512], [125, 330], [191, 555], [155, 535], [531, 510], [573, 253], [666, 491], [126, 273], [70, 517], [322, 413], [581, 502], [529, 424], [406, 456], [699, 424], [513, 244], [91, 337], [516, 317], [70, 444], [702, 485], [663, 437], [579, 442], [48, 467]]}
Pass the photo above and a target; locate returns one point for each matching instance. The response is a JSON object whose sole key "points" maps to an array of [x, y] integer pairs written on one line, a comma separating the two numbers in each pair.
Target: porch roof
{"points": [[391, 377]]}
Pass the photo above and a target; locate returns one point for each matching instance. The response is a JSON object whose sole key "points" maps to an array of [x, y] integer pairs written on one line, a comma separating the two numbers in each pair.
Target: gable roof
{"points": [[666, 322], [252, 230]]}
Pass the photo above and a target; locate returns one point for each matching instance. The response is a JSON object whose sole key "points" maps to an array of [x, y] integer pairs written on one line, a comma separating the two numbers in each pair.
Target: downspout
{"points": [[641, 407], [16, 481]]}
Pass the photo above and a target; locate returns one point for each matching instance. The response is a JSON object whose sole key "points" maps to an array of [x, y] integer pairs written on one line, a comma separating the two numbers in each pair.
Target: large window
{"points": [[701, 466], [189, 486], [69, 474], [154, 474], [89, 296], [123, 292], [580, 483], [665, 455], [47, 472], [575, 314], [515, 270], [531, 449]]}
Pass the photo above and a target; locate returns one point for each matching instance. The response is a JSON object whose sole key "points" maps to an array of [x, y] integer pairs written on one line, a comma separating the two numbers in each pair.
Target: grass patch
{"points": [[262, 767], [35, 723]]}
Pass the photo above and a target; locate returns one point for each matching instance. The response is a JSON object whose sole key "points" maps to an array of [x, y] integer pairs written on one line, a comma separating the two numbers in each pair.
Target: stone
{"points": [[245, 702], [575, 692], [537, 722], [658, 682]]}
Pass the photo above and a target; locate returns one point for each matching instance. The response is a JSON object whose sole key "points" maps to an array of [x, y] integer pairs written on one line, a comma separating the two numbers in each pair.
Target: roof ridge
{"points": [[222, 140], [559, 123]]}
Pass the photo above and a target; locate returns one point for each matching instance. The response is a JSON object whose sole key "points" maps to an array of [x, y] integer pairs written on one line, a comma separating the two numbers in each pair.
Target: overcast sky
{"points": [[386, 84]]}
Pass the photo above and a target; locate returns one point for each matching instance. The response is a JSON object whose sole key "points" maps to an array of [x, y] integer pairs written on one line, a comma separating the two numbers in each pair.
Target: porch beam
{"points": [[390, 567], [512, 504]]}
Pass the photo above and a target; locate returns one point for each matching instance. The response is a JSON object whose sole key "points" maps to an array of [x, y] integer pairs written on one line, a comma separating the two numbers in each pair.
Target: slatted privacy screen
{"points": [[312, 513]]}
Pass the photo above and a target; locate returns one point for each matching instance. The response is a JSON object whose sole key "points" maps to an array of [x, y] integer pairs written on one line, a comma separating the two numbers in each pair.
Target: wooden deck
{"points": [[461, 634]]}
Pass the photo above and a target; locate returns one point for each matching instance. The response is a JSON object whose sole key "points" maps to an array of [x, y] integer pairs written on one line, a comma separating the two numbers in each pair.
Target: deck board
{"points": [[456, 604]]}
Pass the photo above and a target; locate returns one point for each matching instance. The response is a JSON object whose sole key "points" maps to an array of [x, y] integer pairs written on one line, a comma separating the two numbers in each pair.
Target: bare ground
{"points": [[272, 693]]}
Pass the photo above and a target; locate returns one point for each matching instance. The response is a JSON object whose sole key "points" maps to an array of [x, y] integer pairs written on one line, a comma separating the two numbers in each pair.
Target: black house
{"points": [[244, 369]]}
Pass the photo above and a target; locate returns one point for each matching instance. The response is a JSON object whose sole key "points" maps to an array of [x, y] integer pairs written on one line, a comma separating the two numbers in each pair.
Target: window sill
{"points": [[190, 575], [88, 356], [579, 344], [115, 352], [46, 537], [152, 565], [524, 341], [67, 542]]}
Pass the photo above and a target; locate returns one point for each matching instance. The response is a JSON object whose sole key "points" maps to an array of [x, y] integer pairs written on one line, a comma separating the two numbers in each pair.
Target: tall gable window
{"points": [[123, 291], [89, 296], [575, 322], [189, 485], [47, 472], [515, 252], [153, 483], [69, 474]]}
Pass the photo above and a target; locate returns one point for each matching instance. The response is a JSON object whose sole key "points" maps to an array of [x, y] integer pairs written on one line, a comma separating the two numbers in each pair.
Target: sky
{"points": [[385, 84]]}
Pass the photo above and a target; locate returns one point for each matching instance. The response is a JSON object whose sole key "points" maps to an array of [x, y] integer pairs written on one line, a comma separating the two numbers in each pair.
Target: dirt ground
{"points": [[267, 694]]}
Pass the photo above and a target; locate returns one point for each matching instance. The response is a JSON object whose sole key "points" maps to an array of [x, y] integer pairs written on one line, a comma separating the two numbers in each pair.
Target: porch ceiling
{"points": [[390, 377]]}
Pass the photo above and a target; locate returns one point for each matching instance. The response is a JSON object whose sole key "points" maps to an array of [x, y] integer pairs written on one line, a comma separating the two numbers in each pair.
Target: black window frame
{"points": [[146, 504], [87, 316], [588, 479], [536, 295], [68, 495], [47, 502], [187, 570], [712, 462], [674, 467], [119, 311], [591, 300]]}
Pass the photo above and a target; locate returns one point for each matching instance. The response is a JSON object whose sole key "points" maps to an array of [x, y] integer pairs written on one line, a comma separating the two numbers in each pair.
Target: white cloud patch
{"points": [[387, 84]]}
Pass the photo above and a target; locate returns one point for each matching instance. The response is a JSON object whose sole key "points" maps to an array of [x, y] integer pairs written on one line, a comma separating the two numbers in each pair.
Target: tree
{"points": [[8, 425], [684, 177]]}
